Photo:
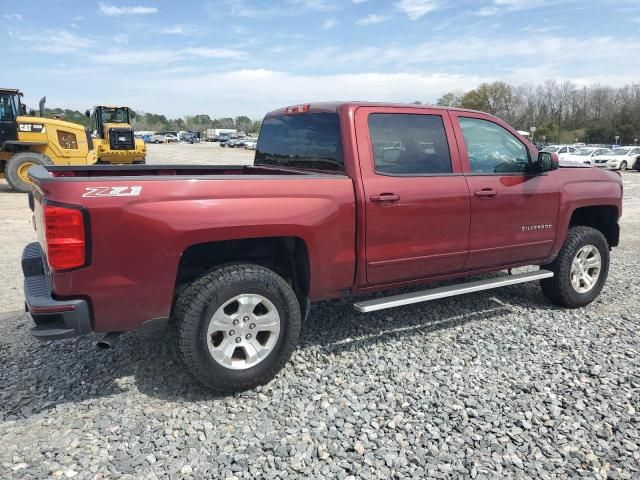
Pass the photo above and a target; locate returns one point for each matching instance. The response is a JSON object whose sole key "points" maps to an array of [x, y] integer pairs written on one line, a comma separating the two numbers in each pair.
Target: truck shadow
{"points": [[74, 371]]}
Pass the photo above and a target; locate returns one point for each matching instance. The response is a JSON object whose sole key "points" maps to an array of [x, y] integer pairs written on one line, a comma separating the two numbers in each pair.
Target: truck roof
{"points": [[335, 106], [11, 90]]}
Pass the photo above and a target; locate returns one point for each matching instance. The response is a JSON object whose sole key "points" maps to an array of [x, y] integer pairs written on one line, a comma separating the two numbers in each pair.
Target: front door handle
{"points": [[385, 198], [486, 193]]}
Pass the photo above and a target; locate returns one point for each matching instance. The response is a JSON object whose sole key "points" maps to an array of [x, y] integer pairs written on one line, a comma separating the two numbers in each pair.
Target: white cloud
{"points": [[240, 8], [500, 6], [53, 41], [180, 29], [243, 8], [372, 19], [113, 11], [164, 56], [212, 52], [12, 16], [488, 11], [273, 89], [478, 50], [416, 9], [320, 5], [329, 23]]}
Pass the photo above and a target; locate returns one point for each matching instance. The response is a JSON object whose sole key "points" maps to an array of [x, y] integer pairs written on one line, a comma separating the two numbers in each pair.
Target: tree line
{"points": [[157, 123], [194, 123], [561, 112]]}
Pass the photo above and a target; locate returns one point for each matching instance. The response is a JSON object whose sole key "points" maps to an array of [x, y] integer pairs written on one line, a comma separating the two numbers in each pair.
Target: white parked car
{"points": [[561, 150], [587, 154], [619, 159], [250, 144], [170, 138]]}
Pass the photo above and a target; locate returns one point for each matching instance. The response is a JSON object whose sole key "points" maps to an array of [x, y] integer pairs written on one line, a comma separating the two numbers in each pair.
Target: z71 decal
{"points": [[112, 191]]}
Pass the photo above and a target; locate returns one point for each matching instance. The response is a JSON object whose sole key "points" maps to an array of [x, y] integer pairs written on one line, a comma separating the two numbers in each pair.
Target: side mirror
{"points": [[23, 110], [546, 162], [87, 114]]}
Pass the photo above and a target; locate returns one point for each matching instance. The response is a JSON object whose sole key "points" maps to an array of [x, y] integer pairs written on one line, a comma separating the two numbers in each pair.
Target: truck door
{"points": [[416, 198], [514, 213]]}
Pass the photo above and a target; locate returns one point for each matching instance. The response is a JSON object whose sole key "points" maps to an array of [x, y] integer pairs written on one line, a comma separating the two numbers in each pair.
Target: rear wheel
{"points": [[237, 327], [580, 269], [18, 166]]}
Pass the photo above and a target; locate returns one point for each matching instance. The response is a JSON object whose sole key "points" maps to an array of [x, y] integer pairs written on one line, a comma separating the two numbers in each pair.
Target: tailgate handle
{"points": [[486, 193], [385, 198]]}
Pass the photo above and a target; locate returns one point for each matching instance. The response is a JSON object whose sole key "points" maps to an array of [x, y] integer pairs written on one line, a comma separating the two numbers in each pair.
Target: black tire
{"points": [[623, 165], [17, 161], [194, 311], [559, 288]]}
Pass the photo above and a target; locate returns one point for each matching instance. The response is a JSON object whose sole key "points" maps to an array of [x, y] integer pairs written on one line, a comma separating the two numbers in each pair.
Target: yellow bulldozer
{"points": [[27, 140]]}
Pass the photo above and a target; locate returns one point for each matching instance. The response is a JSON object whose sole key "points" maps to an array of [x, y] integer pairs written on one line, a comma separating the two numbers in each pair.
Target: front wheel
{"points": [[18, 166], [237, 326], [580, 269], [623, 166]]}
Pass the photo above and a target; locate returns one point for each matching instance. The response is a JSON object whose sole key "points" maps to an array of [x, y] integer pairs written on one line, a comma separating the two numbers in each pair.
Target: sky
{"points": [[247, 57]]}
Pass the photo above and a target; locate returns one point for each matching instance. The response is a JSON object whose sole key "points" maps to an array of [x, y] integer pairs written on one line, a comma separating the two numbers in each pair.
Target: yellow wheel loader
{"points": [[27, 140], [113, 136]]}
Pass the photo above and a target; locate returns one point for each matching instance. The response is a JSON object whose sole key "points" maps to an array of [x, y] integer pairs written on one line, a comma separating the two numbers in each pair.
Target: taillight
{"points": [[65, 237]]}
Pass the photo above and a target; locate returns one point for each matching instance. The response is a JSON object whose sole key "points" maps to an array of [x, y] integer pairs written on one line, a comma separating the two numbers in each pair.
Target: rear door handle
{"points": [[385, 198], [486, 193]]}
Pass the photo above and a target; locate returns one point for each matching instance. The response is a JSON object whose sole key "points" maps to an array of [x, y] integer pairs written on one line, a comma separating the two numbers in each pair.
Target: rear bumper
{"points": [[54, 319]]}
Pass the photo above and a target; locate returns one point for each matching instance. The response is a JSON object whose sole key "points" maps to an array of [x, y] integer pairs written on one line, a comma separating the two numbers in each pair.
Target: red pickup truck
{"points": [[343, 199]]}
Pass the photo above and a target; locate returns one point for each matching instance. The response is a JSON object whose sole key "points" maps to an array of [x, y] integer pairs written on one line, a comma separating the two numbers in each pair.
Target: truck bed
{"points": [[144, 220], [42, 173]]}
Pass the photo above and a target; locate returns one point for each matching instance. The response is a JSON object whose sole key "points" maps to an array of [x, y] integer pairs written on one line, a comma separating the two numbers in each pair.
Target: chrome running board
{"points": [[450, 291]]}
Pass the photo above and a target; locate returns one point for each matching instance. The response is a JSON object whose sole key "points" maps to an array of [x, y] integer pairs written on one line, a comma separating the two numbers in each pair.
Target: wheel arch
{"points": [[287, 256], [601, 217]]}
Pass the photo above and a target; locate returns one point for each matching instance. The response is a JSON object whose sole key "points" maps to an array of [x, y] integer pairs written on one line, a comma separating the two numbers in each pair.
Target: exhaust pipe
{"points": [[108, 340], [43, 100]]}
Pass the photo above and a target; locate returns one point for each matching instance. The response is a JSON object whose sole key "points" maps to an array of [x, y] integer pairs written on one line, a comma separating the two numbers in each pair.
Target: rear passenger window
{"points": [[409, 144], [492, 149]]}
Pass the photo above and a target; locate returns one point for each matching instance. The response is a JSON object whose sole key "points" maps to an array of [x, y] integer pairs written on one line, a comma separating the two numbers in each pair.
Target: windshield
{"points": [[9, 107], [620, 151], [115, 115], [584, 152], [551, 149], [310, 140]]}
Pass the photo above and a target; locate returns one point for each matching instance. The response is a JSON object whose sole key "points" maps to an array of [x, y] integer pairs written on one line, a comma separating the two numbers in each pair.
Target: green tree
{"points": [[449, 99], [243, 123], [496, 98], [255, 126]]}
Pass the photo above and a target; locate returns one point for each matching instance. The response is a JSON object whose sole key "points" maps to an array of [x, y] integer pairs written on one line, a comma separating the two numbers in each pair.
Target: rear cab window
{"points": [[309, 141]]}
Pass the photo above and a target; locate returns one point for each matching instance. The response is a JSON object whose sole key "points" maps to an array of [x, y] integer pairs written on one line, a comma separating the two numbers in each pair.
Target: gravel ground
{"points": [[491, 385]]}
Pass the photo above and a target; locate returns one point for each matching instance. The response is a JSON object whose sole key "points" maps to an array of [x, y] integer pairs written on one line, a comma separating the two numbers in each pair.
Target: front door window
{"points": [[492, 149]]}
